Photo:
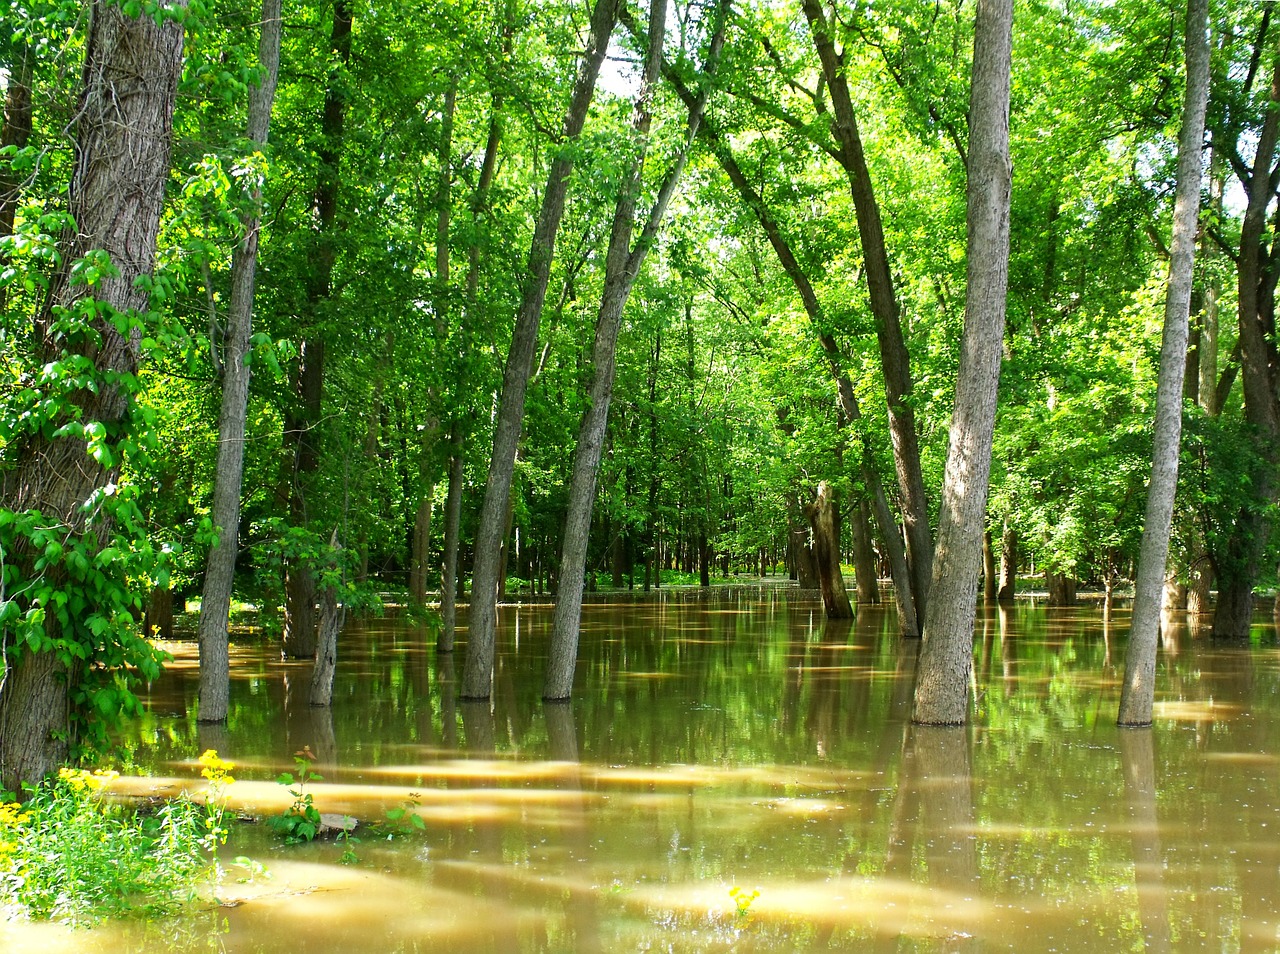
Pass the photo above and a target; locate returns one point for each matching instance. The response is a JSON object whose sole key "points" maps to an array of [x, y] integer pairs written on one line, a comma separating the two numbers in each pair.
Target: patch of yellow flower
{"points": [[216, 770], [80, 781]]}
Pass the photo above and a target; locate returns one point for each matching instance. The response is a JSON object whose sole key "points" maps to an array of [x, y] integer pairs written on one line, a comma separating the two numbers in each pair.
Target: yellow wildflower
{"points": [[215, 769]]}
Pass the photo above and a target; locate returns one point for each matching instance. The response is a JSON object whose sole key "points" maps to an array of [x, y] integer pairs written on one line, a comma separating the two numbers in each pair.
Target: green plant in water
{"points": [[299, 822], [349, 856], [69, 854], [403, 821]]}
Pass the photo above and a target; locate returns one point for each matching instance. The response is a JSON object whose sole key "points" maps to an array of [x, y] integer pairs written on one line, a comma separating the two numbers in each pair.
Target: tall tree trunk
{"points": [[300, 586], [946, 656], [220, 569], [477, 674], [452, 523], [1238, 567], [123, 138], [1137, 698], [1008, 564], [622, 267], [894, 358], [18, 118], [864, 558], [823, 514], [900, 570]]}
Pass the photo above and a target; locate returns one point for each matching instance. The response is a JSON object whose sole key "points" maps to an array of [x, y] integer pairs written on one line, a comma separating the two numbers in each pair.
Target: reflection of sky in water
{"points": [[740, 741]]}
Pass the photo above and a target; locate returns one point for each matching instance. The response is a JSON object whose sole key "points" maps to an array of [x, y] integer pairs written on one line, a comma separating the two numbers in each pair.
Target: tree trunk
{"points": [[158, 621], [864, 558], [18, 118], [326, 660], [824, 520], [806, 569], [1137, 697], [1008, 565], [123, 138], [622, 267], [300, 587], [478, 670], [988, 568], [1061, 587], [220, 568], [894, 358], [452, 523], [946, 656]]}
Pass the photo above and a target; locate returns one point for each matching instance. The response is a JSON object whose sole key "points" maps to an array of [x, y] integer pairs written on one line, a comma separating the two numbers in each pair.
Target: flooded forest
{"points": [[692, 476]]}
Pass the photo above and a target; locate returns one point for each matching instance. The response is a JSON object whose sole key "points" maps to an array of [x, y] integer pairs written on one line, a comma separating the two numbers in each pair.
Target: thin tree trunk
{"points": [[123, 139], [478, 670], [899, 568], [988, 568], [452, 522], [823, 519], [864, 558], [894, 358], [331, 619], [1137, 697], [946, 656], [300, 586], [220, 569], [18, 118], [622, 267], [1008, 564]]}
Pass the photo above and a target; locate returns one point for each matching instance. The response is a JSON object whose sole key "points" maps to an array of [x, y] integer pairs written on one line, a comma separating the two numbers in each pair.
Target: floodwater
{"points": [[735, 740]]}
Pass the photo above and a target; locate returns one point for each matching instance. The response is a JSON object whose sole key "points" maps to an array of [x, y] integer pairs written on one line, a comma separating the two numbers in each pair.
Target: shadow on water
{"points": [[734, 739]]}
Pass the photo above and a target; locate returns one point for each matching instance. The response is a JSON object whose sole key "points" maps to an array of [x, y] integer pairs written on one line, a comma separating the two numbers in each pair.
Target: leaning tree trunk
{"points": [[822, 513], [1137, 698], [123, 138], [1238, 567], [894, 359], [219, 575], [477, 676], [946, 656], [622, 267]]}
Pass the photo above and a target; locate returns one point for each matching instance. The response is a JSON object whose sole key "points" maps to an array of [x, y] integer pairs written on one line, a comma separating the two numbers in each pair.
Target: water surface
{"points": [[736, 739]]}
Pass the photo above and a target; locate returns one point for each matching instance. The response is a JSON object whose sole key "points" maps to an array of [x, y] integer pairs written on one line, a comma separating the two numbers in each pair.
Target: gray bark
{"points": [[477, 674], [622, 267], [123, 139], [946, 656], [1137, 697], [219, 575]]}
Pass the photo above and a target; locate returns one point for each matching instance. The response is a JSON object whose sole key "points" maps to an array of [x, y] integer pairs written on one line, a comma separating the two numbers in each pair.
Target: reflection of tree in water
{"points": [[1138, 758]]}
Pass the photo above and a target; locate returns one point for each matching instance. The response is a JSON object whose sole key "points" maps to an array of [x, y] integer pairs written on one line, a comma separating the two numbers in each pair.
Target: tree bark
{"points": [[326, 658], [622, 267], [123, 139], [866, 580], [477, 674], [300, 587], [988, 568], [1008, 565], [18, 118], [946, 656], [1137, 697], [220, 568], [894, 359], [823, 518]]}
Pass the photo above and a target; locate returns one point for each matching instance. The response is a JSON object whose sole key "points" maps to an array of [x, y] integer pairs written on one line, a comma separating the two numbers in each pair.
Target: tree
{"points": [[946, 655], [1138, 695], [123, 140], [478, 669], [215, 605]]}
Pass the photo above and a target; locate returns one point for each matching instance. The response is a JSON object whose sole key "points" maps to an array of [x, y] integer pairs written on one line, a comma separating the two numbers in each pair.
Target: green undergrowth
{"points": [[71, 853]]}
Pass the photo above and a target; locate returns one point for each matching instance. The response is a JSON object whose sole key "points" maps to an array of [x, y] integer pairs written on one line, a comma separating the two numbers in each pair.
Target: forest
{"points": [[446, 302]]}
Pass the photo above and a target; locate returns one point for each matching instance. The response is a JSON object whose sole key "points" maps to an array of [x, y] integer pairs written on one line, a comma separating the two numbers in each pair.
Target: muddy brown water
{"points": [[734, 739]]}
